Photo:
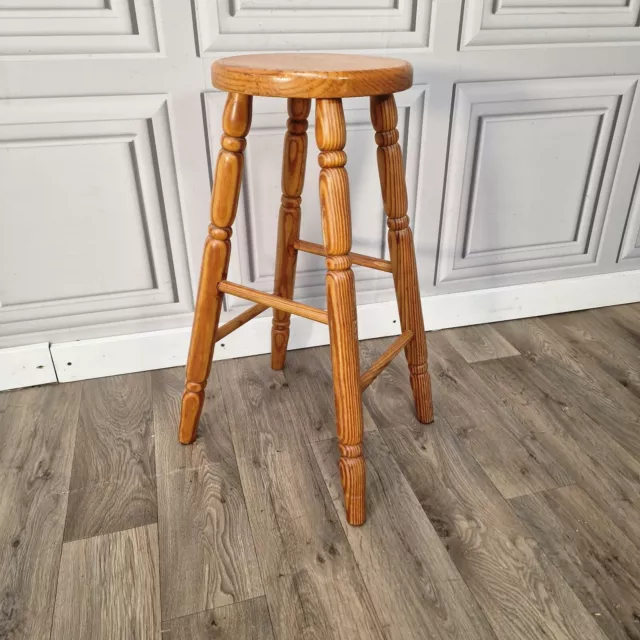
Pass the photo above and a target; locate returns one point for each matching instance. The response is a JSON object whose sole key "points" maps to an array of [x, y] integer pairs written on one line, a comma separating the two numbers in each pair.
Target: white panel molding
{"points": [[277, 25], [118, 27], [96, 358], [630, 246], [142, 124], [26, 367], [254, 240], [607, 101], [541, 23]]}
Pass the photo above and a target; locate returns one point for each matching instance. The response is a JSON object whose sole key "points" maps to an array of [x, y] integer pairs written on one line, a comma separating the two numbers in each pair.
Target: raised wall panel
{"points": [[78, 28], [535, 23], [91, 226], [531, 169], [255, 231], [630, 246], [276, 25]]}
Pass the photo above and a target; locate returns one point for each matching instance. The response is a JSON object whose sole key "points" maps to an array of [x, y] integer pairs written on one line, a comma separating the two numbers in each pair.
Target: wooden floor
{"points": [[516, 515]]}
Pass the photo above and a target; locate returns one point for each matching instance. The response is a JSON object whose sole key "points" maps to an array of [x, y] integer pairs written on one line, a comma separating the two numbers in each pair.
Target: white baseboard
{"points": [[100, 357], [26, 366]]}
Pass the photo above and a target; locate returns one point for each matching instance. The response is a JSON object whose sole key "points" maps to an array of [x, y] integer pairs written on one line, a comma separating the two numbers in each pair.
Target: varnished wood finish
{"points": [[294, 161], [255, 504], [299, 309], [356, 258], [311, 75], [387, 356], [215, 261], [239, 320], [331, 137], [384, 116]]}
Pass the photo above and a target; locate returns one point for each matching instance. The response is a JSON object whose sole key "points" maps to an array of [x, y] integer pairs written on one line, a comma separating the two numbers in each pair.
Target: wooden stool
{"points": [[328, 78]]}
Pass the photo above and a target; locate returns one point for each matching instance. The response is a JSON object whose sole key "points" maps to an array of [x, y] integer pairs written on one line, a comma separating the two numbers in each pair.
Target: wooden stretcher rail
{"points": [[238, 321], [356, 258], [378, 366], [277, 302]]}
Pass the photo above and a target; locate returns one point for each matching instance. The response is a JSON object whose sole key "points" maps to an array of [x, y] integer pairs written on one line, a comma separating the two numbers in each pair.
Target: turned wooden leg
{"points": [[215, 261], [384, 116], [294, 160], [331, 136]]}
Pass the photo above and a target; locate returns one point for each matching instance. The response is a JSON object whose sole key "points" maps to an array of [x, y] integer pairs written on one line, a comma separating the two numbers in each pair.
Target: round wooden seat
{"points": [[311, 75]]}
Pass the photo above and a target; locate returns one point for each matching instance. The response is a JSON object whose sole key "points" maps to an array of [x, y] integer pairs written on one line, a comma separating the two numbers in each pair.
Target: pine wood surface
{"points": [[311, 75], [294, 161], [251, 538], [331, 137]]}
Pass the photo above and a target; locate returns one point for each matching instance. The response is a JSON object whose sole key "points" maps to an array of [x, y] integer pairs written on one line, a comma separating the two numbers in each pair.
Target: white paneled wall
{"points": [[521, 140]]}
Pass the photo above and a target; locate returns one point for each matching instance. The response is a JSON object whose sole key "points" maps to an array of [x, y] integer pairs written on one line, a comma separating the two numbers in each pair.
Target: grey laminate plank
{"points": [[113, 476], [575, 380], [308, 374], [596, 559], [207, 555], [391, 387], [600, 342], [515, 465], [36, 449], [601, 466], [313, 586], [521, 593], [248, 620], [479, 342], [415, 587], [108, 587], [624, 320]]}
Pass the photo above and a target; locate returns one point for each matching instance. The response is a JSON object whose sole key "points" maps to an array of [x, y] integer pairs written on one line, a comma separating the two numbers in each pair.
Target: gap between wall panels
{"points": [[84, 359]]}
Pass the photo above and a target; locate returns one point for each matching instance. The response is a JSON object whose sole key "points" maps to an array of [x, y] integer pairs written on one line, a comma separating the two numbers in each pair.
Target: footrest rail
{"points": [[271, 300], [356, 258], [389, 354]]}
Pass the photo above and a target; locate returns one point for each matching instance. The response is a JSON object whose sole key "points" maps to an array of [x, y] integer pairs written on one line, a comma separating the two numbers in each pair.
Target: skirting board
{"points": [[26, 366], [101, 357]]}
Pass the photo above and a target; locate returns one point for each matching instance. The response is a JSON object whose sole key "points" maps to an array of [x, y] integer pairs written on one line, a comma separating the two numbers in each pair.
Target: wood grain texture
{"points": [[516, 464], [385, 358], [331, 136], [576, 380], [239, 320], [602, 344], [311, 75], [248, 620], [356, 258], [311, 579], [284, 304], [208, 557], [588, 454], [416, 589], [596, 559], [37, 435], [520, 592], [308, 375], [236, 122], [113, 477], [480, 342], [384, 116], [108, 587], [294, 161]]}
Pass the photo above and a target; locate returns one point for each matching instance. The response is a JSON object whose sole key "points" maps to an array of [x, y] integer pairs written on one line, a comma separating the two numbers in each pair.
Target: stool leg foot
{"points": [[384, 116], [341, 303], [294, 159], [215, 260]]}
